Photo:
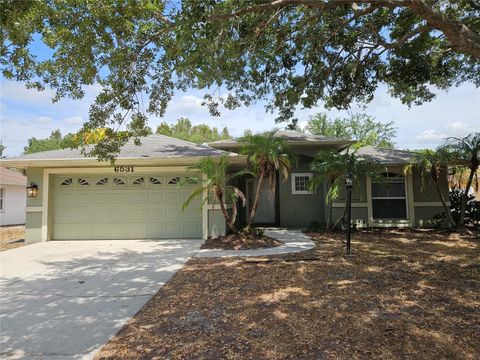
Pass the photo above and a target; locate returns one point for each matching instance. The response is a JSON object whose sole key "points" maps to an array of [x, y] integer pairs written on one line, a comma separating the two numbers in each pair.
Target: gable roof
{"points": [[153, 147], [11, 177], [385, 155], [293, 138]]}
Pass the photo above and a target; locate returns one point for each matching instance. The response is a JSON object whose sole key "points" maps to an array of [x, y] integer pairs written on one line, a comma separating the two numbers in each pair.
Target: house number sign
{"points": [[124, 169]]}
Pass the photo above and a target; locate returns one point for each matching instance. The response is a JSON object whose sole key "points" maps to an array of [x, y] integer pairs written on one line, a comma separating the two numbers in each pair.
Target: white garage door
{"points": [[125, 207]]}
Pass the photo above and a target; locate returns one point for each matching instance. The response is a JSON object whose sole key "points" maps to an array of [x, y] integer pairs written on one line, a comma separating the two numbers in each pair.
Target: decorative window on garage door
{"points": [[139, 181], [83, 182], [102, 182], [66, 181], [154, 180], [119, 181], [174, 180]]}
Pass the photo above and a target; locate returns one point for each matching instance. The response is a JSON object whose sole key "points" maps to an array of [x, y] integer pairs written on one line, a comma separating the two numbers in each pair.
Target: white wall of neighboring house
{"points": [[14, 205]]}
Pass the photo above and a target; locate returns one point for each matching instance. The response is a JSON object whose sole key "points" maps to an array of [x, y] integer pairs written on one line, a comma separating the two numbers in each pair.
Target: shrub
{"points": [[472, 208]]}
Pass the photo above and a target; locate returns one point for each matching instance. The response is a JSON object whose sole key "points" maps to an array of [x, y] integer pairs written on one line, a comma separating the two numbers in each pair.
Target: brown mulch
{"points": [[11, 237], [241, 241], [401, 295]]}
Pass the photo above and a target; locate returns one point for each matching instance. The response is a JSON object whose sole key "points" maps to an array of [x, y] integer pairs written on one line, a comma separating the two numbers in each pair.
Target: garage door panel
{"points": [[138, 197], [102, 215], [128, 211], [119, 197], [173, 197], [155, 215], [156, 197], [72, 232], [192, 230], [101, 198]]}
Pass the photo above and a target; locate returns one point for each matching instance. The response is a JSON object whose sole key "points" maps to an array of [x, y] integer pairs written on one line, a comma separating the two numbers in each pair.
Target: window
{"points": [[102, 182], [300, 183], [139, 181], [155, 181], [119, 181], [2, 197], [175, 180], [83, 182], [66, 182], [389, 200]]}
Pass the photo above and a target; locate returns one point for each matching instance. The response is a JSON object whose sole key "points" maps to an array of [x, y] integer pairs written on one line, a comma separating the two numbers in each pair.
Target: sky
{"points": [[26, 113]]}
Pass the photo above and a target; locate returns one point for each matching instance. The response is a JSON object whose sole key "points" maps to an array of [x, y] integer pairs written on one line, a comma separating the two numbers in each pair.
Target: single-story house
{"points": [[139, 197], [13, 197]]}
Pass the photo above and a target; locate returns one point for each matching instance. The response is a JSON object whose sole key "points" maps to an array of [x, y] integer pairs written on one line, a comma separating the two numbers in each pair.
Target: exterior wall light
{"points": [[32, 190]]}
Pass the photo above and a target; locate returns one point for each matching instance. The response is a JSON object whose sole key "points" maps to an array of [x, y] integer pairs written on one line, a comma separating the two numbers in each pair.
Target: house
{"points": [[400, 200], [12, 197], [139, 197]]}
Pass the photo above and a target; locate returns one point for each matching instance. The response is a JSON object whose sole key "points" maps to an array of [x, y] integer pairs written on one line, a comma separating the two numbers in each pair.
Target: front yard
{"points": [[402, 295]]}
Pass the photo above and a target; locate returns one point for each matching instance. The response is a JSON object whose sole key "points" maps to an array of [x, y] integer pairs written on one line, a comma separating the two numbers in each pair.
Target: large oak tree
{"points": [[288, 53]]}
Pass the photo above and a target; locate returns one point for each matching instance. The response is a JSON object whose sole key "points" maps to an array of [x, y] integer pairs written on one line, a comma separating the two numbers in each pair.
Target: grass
{"points": [[401, 295], [11, 237]]}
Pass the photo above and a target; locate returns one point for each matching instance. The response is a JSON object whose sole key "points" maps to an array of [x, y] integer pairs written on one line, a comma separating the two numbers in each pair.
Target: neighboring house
{"points": [[12, 197], [139, 198]]}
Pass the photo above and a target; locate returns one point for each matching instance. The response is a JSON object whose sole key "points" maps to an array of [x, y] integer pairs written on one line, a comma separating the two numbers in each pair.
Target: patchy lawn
{"points": [[402, 295], [11, 237]]}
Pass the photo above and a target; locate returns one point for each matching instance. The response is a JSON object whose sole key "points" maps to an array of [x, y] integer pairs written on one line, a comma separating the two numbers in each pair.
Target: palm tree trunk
{"points": [[463, 207], [253, 210], [329, 217], [342, 217], [447, 210], [219, 195]]}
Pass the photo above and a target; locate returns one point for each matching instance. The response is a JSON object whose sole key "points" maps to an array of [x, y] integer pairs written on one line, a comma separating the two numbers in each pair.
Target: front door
{"points": [[265, 213]]}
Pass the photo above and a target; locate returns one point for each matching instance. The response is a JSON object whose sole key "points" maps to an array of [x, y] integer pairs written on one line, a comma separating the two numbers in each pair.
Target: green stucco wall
{"points": [[299, 210], [424, 215], [359, 215], [425, 190]]}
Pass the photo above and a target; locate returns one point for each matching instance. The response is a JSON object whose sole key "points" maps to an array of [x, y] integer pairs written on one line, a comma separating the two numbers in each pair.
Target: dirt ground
{"points": [[11, 237], [401, 295]]}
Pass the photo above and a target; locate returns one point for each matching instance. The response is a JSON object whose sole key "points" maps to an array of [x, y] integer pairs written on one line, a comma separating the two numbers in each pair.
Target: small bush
{"points": [[258, 232], [315, 226], [472, 208]]}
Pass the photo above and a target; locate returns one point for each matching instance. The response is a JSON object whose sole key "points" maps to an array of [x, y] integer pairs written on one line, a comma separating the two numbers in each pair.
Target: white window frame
{"points": [[405, 198], [2, 197], [301, 192]]}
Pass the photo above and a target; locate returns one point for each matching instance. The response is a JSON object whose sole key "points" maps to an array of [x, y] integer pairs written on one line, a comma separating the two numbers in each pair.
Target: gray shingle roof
{"points": [[291, 137], [153, 146], [386, 156]]}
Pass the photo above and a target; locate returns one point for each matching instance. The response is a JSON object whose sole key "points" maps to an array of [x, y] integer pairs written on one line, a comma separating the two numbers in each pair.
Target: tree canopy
{"points": [[199, 134], [287, 53], [53, 142], [360, 127]]}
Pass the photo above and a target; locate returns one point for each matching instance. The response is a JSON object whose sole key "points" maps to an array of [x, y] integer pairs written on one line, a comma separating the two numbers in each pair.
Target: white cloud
{"points": [[44, 120], [16, 91], [73, 120], [431, 136]]}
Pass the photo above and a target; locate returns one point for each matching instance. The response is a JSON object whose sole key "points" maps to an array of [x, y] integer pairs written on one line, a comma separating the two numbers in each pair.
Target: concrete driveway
{"points": [[66, 299]]}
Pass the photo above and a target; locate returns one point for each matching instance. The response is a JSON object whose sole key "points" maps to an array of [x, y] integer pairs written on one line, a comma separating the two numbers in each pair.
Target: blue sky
{"points": [[26, 113]]}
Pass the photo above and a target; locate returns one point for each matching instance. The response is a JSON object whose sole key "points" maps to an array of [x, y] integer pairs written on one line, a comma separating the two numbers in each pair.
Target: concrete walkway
{"points": [[65, 300], [294, 241]]}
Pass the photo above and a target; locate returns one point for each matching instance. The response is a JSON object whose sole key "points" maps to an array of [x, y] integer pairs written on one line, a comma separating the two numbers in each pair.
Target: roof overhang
{"points": [[91, 162]]}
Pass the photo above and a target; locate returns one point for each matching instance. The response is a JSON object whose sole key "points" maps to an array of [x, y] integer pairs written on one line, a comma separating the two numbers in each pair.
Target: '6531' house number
{"points": [[123, 169]]}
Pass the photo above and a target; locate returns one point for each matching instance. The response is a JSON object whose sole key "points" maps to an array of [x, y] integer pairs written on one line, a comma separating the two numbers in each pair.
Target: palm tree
{"points": [[266, 154], [333, 167], [466, 151], [217, 183], [435, 164]]}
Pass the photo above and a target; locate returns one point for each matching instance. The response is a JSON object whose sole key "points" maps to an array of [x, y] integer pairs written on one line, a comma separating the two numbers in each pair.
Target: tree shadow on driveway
{"points": [[66, 299]]}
